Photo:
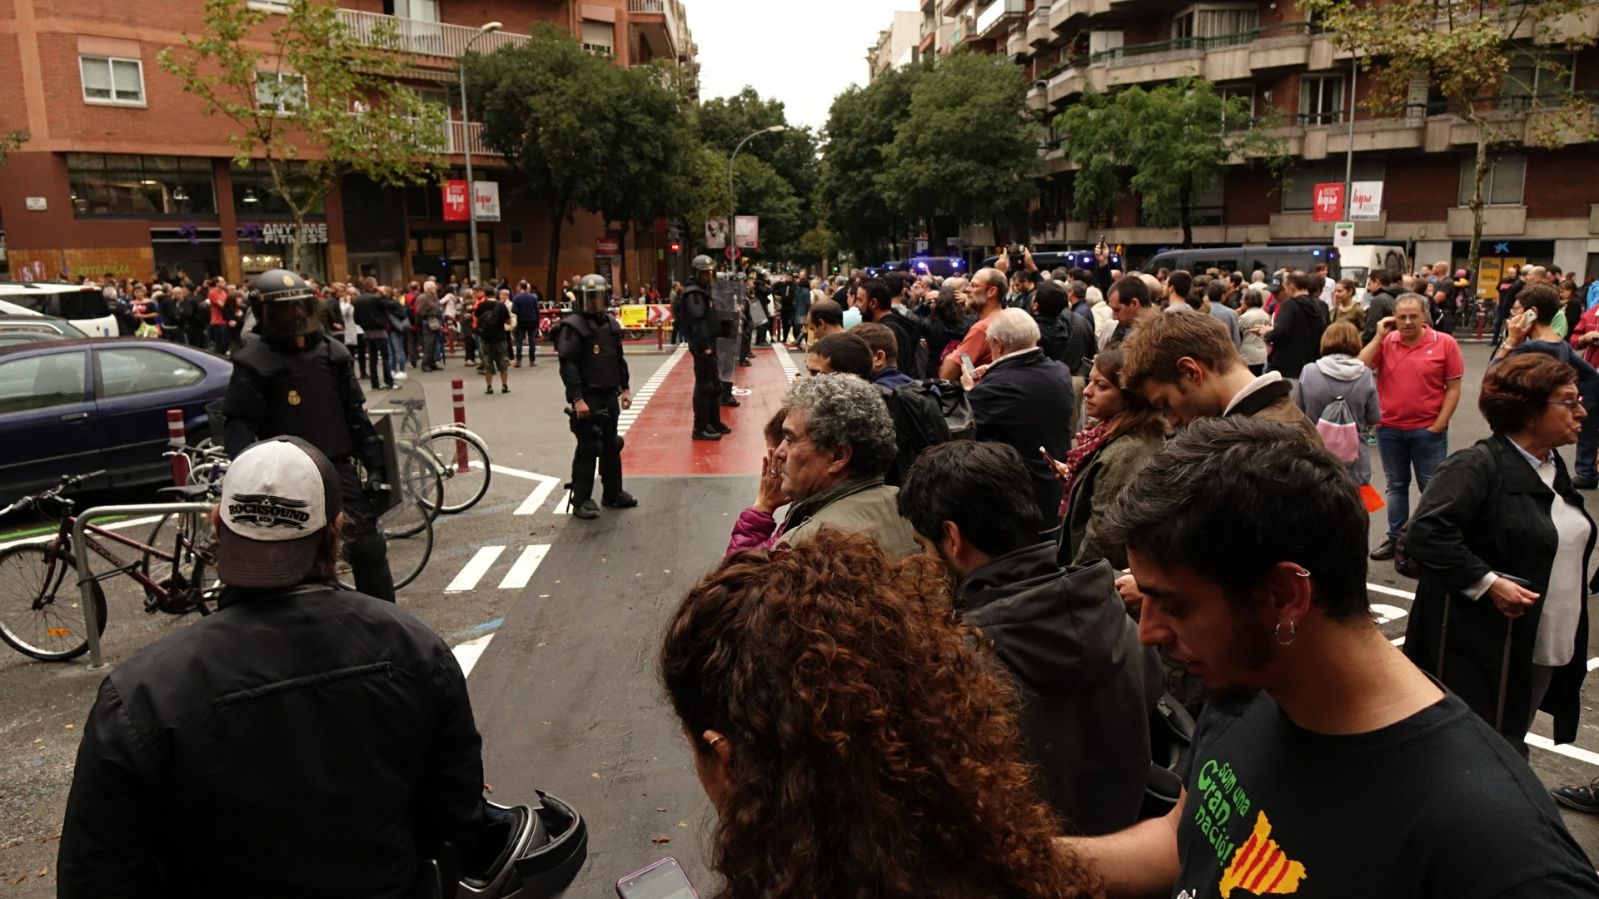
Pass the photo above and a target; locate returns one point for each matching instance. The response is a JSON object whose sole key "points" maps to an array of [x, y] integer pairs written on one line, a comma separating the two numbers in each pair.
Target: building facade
{"points": [[898, 45], [122, 172], [1543, 204]]}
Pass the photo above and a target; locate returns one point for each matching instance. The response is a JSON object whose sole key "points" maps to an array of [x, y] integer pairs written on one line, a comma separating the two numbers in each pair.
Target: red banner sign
{"points": [[1327, 204], [455, 200], [606, 246]]}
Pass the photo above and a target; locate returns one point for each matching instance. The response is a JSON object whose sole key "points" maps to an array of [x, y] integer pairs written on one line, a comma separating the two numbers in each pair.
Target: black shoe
{"points": [[1585, 483], [1383, 552], [490, 391], [588, 510], [727, 401], [622, 500], [707, 435], [745, 363], [504, 389], [1583, 799], [721, 428]]}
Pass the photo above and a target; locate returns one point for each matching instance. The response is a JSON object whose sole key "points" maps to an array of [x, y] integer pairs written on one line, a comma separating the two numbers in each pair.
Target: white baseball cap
{"points": [[278, 498]]}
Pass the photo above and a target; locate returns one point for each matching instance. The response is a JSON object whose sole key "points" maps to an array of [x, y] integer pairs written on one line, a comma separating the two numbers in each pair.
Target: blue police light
{"points": [[960, 263], [1315, 252]]}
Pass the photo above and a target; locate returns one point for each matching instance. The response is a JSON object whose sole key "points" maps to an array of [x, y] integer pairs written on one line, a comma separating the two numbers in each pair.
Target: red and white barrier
{"points": [[458, 401], [177, 435]]}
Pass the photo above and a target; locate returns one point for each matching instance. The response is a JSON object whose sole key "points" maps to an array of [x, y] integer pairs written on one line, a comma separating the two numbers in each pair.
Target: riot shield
{"points": [[726, 295]]}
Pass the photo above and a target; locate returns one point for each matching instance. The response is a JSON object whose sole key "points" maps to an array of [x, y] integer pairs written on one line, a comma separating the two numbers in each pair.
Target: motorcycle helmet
{"points": [[593, 294], [284, 305]]}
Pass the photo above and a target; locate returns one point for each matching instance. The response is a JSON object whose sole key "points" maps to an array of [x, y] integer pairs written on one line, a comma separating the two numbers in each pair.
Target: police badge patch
{"points": [[294, 397]]}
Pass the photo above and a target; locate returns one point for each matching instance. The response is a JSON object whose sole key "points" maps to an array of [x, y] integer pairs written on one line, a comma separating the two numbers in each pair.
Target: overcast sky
{"points": [[803, 52]]}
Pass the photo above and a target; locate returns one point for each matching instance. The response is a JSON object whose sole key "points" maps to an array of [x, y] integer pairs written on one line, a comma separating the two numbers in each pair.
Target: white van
{"points": [[1358, 262], [83, 305]]}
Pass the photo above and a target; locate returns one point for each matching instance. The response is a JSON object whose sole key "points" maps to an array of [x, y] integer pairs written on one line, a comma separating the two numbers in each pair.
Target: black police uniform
{"points": [[695, 318], [594, 370], [313, 393]]}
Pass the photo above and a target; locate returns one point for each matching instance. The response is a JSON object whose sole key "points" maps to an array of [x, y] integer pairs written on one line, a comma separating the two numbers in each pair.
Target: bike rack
{"points": [[81, 558]]}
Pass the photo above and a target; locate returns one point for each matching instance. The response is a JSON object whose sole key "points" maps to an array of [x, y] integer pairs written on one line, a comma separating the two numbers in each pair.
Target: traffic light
{"points": [[676, 246]]}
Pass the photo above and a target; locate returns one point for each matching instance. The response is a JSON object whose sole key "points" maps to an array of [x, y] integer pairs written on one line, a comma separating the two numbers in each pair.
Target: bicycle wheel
{"points": [[421, 484], [407, 555], [188, 579], [40, 612], [463, 486]]}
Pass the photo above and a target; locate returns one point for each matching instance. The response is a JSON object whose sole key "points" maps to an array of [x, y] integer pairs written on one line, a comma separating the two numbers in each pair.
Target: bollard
{"points": [[458, 400], [176, 437], [660, 337]]}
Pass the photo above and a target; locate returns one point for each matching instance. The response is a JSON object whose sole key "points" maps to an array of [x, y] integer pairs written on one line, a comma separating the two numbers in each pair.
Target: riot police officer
{"points": [[696, 320], [294, 381], [589, 345]]}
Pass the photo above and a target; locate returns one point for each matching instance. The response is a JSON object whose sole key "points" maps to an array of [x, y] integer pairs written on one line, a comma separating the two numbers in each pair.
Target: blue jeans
{"points": [[397, 350], [1400, 451]]}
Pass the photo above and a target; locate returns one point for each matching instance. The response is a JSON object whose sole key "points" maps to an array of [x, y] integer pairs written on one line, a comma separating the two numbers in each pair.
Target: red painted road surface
{"points": [[659, 443]]}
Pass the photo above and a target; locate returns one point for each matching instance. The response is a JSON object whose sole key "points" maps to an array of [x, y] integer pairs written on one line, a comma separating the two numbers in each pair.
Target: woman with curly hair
{"points": [[852, 742]]}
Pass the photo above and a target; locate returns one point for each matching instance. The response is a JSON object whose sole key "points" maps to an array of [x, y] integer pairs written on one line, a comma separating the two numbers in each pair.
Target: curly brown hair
{"points": [[874, 753]]}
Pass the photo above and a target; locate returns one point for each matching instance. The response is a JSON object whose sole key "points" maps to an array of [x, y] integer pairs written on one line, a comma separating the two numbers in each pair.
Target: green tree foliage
{"points": [[1467, 54], [10, 143], [965, 146], [1172, 143], [861, 125], [781, 189], [311, 101]]}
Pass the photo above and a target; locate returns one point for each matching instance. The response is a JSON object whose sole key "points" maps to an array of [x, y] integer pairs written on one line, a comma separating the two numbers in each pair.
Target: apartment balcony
{"points": [[460, 135], [658, 25], [996, 14], [1039, 33], [423, 38], [1066, 83], [1038, 97], [1016, 45]]}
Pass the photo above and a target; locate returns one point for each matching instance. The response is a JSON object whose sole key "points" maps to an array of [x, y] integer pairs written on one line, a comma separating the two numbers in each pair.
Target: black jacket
{"points": [[1379, 306], [292, 744], [1086, 684], [695, 318], [1068, 338], [1487, 510], [912, 358], [1027, 401], [372, 311], [1295, 336], [312, 393]]}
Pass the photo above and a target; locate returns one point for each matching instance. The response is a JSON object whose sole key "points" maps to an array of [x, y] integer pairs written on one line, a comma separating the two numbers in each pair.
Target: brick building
{"points": [[1543, 205], [123, 174]]}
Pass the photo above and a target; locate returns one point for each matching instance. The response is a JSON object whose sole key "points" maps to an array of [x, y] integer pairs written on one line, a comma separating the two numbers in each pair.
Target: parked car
{"points": [[74, 406], [83, 305], [30, 327]]}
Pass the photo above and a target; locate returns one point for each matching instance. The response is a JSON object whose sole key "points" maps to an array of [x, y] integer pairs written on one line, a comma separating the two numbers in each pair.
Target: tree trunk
{"points": [[297, 245], [551, 280], [1480, 172], [1186, 216]]}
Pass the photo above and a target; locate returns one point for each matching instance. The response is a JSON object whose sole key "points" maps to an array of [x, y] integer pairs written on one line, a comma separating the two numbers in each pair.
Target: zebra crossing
{"points": [[520, 573]]}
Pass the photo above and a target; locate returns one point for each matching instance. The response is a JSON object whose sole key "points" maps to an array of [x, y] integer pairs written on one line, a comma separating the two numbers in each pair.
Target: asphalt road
{"points": [[559, 621]]}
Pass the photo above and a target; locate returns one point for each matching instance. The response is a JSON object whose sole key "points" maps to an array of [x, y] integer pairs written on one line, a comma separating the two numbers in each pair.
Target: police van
{"points": [[83, 305]]}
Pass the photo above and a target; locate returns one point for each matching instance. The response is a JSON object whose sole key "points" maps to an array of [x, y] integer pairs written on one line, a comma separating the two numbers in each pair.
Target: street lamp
{"points": [[733, 210], [466, 146]]}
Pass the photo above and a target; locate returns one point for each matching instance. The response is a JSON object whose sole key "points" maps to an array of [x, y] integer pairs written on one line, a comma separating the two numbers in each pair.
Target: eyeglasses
{"points": [[1571, 405]]}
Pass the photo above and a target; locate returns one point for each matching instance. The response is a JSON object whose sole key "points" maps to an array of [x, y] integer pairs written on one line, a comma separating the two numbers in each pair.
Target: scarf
{"points": [[1089, 440]]}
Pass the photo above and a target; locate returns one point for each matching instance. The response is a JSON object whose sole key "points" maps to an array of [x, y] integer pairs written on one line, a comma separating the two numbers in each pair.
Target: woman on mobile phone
{"points": [[834, 768], [1104, 460], [1501, 511]]}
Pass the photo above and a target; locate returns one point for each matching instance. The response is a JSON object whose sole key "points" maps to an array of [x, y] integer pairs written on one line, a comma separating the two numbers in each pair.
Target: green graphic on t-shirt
{"points": [[1220, 798]]}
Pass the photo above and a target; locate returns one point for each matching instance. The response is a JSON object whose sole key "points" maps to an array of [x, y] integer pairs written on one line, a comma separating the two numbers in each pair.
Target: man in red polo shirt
{"points": [[987, 298], [1418, 385]]}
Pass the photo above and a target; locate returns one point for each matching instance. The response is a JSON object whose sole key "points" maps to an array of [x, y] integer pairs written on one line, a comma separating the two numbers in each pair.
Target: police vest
{"points": [[599, 357]]}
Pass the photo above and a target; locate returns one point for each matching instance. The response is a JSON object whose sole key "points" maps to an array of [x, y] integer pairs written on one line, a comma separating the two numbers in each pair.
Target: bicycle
{"points": [[457, 456], [34, 613]]}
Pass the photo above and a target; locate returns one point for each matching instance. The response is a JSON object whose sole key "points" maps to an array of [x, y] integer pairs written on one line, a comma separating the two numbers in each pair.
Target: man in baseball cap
{"points": [[301, 741]]}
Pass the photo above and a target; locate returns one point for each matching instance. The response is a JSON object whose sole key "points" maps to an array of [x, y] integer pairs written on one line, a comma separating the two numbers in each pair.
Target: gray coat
{"points": [[1341, 375]]}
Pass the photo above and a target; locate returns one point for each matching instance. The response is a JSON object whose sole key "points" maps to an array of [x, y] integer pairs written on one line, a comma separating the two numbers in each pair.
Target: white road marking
{"points": [[469, 652], [786, 362], [1565, 749], [625, 421], [522, 570], [540, 493], [1386, 613], [1389, 591], [475, 568]]}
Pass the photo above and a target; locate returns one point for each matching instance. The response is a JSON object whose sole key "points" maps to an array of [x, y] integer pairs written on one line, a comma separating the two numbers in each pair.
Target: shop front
{"points": [[269, 245]]}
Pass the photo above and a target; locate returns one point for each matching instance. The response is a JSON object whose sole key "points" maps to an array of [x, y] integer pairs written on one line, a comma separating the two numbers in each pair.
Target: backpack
{"points": [[918, 424], [492, 318], [1338, 431]]}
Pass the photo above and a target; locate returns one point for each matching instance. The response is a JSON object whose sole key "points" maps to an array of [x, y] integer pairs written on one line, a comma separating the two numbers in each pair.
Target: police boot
{"points": [[727, 394], [619, 500], [588, 510]]}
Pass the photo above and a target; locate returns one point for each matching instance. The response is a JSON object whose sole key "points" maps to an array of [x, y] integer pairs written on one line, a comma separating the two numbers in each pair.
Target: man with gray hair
{"points": [[838, 442], [1025, 399], [985, 297]]}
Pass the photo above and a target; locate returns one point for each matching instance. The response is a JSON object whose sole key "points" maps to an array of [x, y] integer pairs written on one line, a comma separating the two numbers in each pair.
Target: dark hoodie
{"points": [[1086, 684], [1295, 336]]}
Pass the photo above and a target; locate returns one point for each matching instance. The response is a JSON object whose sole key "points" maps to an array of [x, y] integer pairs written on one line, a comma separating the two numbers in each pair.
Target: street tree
{"points": [[11, 142], [1172, 144], [537, 104], [1502, 66], [861, 124], [312, 102], [965, 146]]}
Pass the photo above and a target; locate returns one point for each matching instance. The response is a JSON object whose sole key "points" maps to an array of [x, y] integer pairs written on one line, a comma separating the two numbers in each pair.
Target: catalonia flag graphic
{"points": [[1261, 867]]}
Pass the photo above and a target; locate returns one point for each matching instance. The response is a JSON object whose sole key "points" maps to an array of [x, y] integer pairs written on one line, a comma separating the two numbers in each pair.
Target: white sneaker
{"points": [[399, 375]]}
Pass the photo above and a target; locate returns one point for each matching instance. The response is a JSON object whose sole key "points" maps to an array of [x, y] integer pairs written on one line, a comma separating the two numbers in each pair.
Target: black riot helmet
{"points": [[285, 307], [593, 294], [704, 270]]}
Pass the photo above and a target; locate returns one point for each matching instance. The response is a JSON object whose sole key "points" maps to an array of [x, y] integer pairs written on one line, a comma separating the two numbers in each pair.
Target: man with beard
{"points": [[1325, 756]]}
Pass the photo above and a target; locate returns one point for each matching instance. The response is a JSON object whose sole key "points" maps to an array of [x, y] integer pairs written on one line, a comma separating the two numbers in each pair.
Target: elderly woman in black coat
{"points": [[1502, 543]]}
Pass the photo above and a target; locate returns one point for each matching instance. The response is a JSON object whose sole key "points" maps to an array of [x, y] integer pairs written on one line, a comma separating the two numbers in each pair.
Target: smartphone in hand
{"points": [[663, 880], [967, 366]]}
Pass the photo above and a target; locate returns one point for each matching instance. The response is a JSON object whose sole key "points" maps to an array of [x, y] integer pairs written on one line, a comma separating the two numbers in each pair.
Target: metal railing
{"points": [[1201, 43], [424, 38], [667, 8], [458, 134]]}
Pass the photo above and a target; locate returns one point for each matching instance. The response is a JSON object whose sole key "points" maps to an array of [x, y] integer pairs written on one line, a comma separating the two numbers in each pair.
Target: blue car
{"points": [[74, 406]]}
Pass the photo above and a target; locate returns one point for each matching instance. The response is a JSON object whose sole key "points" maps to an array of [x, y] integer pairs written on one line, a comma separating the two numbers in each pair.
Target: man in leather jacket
{"points": [[301, 741]]}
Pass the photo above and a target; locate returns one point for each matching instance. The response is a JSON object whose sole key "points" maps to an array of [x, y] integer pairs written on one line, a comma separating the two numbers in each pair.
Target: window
{"points": [[255, 196], [1321, 99], [112, 80], [124, 372], [1215, 20], [1299, 183], [1232, 93], [277, 6], [1501, 184], [41, 382], [599, 38], [279, 91], [118, 184], [1533, 79]]}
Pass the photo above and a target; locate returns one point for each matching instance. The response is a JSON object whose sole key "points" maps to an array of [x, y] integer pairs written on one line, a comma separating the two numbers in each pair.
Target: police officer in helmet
{"points": [[696, 319], [589, 345], [295, 382]]}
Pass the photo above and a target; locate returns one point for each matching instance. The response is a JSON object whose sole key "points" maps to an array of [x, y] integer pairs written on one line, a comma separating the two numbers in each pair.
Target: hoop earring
{"points": [[1277, 633]]}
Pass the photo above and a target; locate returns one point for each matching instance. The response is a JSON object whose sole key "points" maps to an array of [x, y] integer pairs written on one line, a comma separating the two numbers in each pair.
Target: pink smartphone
{"points": [[663, 880]]}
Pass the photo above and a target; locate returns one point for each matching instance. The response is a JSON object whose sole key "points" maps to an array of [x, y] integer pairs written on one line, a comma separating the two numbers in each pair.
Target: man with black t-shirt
{"points": [[1326, 764]]}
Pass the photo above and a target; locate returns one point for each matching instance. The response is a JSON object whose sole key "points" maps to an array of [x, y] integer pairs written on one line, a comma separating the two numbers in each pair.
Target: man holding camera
{"points": [[589, 344]]}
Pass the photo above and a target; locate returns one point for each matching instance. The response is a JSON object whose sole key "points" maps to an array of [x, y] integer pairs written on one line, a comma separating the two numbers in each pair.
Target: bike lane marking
{"points": [[525, 565], [479, 565]]}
